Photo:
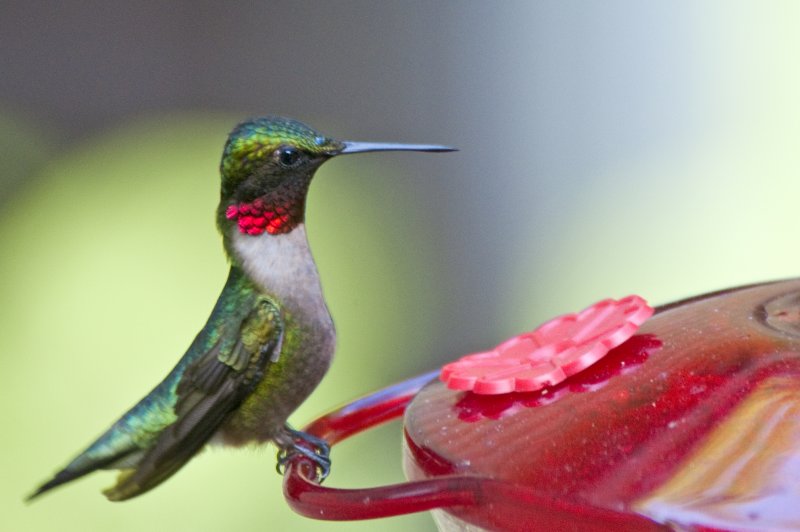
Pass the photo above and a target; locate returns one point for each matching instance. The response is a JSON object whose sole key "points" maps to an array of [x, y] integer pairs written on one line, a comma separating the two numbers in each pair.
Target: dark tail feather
{"points": [[69, 474], [62, 477]]}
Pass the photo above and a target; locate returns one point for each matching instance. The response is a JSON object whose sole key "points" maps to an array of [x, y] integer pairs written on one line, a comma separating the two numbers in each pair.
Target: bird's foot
{"points": [[301, 443]]}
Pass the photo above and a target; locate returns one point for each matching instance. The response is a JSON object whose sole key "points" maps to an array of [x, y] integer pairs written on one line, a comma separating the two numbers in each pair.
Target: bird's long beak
{"points": [[363, 147]]}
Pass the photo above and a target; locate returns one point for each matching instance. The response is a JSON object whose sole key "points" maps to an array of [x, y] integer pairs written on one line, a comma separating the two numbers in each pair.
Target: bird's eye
{"points": [[287, 156]]}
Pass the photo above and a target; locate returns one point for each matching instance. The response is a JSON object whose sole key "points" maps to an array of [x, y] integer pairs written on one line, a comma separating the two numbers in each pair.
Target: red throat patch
{"points": [[257, 217]]}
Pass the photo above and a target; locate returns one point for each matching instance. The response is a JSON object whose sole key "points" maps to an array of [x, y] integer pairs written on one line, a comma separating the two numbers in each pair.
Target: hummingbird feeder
{"points": [[609, 419]]}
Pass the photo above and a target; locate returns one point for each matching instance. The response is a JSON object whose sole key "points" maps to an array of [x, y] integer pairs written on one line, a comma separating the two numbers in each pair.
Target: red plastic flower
{"points": [[546, 356]]}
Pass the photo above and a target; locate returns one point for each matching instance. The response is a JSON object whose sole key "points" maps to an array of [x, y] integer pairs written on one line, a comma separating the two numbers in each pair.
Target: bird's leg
{"points": [[293, 442]]}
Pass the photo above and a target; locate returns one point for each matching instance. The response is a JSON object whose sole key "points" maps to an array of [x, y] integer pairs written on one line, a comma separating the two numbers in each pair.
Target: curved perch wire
{"points": [[499, 504]]}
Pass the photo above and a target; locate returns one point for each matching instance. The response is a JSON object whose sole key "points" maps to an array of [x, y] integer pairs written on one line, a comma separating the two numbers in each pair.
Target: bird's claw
{"points": [[315, 449]]}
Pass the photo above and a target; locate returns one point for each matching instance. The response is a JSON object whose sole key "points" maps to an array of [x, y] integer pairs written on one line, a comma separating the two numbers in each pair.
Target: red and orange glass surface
{"points": [[691, 423]]}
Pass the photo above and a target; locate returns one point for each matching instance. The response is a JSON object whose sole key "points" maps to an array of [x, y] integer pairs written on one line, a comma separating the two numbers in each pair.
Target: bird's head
{"points": [[267, 166]]}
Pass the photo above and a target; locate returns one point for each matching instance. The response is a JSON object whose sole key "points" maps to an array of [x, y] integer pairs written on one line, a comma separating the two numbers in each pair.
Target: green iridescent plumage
{"points": [[269, 339], [234, 332], [253, 141]]}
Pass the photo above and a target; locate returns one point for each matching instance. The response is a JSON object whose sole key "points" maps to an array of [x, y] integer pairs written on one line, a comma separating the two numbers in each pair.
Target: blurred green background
{"points": [[606, 149]]}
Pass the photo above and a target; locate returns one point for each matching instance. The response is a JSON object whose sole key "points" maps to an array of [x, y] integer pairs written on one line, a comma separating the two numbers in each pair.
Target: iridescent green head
{"points": [[267, 166], [271, 144]]}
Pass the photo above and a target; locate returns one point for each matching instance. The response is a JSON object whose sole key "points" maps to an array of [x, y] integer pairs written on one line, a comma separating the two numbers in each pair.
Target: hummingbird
{"points": [[270, 337]]}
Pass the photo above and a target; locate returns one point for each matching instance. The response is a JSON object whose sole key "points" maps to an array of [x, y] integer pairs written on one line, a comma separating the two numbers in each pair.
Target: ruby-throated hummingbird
{"points": [[269, 339]]}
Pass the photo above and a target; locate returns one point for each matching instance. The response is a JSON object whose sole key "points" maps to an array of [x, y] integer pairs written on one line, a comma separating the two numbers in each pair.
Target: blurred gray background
{"points": [[606, 149]]}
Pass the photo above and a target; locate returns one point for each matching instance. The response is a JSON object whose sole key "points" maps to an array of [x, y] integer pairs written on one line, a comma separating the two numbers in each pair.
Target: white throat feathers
{"points": [[283, 267]]}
